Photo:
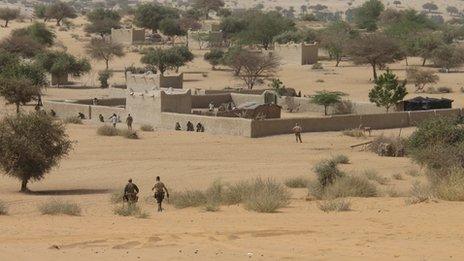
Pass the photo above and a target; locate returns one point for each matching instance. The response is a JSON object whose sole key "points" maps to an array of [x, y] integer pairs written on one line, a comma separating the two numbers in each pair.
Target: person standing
{"points": [[297, 130], [129, 121], [159, 188], [114, 119]]}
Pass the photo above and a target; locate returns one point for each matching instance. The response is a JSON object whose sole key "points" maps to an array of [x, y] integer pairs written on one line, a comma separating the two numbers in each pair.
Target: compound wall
{"points": [[300, 54], [213, 125], [240, 99], [202, 101], [128, 36]]}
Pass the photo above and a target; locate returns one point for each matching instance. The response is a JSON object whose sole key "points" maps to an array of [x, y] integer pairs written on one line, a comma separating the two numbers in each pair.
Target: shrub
{"points": [[389, 146], [419, 193], [212, 207], [317, 66], [444, 90], [103, 78], [392, 192], [344, 107], [297, 182], [107, 130], [357, 133], [267, 196], [374, 176], [450, 188], [335, 205], [236, 193], [327, 171], [341, 159], [188, 198], [72, 120], [57, 207], [147, 128], [128, 134], [398, 176], [3, 208], [130, 210], [117, 196], [351, 186]]}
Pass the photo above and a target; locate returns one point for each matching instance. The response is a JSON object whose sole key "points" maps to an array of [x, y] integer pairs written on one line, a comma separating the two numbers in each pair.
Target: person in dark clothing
{"points": [[53, 113], [130, 192], [200, 127], [129, 121], [190, 126], [81, 115], [102, 119], [159, 188], [177, 128]]}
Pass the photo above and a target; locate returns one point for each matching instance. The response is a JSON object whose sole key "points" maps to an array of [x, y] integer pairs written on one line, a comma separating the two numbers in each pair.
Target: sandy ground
{"points": [[383, 228]]}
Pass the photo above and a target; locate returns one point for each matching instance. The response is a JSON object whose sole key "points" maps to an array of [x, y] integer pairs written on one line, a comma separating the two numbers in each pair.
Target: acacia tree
{"points": [[430, 7], [8, 14], [61, 63], [20, 83], [208, 5], [171, 28], [427, 43], [367, 16], [31, 145], [158, 59], [335, 38], [59, 11], [375, 49], [388, 90], [214, 57], [104, 50], [326, 99], [101, 21], [233, 58], [150, 15], [257, 66], [448, 57], [422, 78], [22, 45]]}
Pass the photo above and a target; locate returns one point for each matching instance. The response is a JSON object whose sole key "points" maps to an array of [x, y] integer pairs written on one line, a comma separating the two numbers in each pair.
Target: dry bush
{"points": [[357, 133], [344, 107], [128, 134], [317, 66], [335, 205], [57, 207], [419, 193], [450, 188], [72, 120], [297, 182], [3, 208], [107, 130], [117, 196], [267, 196], [327, 172], [188, 198], [341, 159], [374, 176], [392, 192], [351, 186], [236, 193], [147, 128], [389, 146], [397, 176], [132, 210], [211, 207]]}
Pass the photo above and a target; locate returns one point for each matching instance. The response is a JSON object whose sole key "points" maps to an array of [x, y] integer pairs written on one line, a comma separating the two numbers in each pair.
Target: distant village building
{"points": [[300, 54], [128, 36]]}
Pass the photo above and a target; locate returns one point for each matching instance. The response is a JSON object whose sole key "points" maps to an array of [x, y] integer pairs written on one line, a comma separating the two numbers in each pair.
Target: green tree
{"points": [[263, 27], [158, 59], [59, 11], [61, 63], [375, 49], [171, 27], [214, 57], [31, 145], [388, 90], [208, 5], [101, 21], [40, 11], [367, 16], [104, 50], [20, 82], [327, 98], [8, 14], [22, 45], [430, 7], [278, 86], [38, 32], [427, 43], [150, 15]]}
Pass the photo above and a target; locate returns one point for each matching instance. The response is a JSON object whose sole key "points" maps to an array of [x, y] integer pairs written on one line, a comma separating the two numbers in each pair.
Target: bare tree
{"points": [[256, 66]]}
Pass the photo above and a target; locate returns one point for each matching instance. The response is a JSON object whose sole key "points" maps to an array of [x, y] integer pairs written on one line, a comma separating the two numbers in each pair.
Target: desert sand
{"points": [[384, 228]]}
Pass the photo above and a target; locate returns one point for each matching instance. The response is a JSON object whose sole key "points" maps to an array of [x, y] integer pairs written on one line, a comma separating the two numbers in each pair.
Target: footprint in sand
{"points": [[127, 245]]}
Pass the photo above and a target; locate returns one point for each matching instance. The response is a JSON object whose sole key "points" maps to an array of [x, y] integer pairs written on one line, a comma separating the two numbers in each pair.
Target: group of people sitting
{"points": [[131, 191], [190, 127]]}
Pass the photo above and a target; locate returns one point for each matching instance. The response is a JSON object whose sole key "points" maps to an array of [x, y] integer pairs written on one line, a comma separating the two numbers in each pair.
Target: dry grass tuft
{"points": [[335, 205], [57, 207]]}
